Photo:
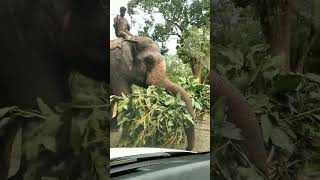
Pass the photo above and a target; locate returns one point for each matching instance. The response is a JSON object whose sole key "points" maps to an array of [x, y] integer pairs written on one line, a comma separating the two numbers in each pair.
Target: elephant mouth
{"points": [[142, 82]]}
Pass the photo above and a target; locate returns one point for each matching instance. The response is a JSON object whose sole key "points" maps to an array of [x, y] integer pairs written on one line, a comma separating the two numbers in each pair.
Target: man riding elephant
{"points": [[121, 25]]}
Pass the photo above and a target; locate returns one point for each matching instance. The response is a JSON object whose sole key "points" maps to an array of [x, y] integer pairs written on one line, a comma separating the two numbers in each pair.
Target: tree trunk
{"points": [[277, 29], [312, 36], [196, 69]]}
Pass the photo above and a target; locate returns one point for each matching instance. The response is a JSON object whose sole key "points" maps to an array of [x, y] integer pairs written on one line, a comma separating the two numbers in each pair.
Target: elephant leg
{"points": [[190, 138], [113, 124], [124, 133]]}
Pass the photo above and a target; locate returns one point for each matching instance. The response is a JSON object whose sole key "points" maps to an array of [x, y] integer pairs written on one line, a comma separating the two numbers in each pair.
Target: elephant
{"points": [[243, 116], [138, 61], [41, 42]]}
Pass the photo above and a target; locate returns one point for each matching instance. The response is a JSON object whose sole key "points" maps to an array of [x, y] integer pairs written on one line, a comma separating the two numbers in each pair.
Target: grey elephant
{"points": [[138, 61]]}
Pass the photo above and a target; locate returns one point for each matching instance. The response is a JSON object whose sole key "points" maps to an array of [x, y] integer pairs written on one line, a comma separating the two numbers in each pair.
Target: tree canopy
{"points": [[178, 16]]}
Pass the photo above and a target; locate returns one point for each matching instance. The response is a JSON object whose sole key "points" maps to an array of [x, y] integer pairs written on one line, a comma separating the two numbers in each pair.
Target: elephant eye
{"points": [[149, 60]]}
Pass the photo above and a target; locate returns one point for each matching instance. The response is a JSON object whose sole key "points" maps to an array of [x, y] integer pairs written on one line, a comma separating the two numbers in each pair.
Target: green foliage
{"points": [[233, 25], [176, 68], [287, 104], [151, 117], [196, 45], [59, 143], [178, 15], [200, 94], [69, 141], [230, 162]]}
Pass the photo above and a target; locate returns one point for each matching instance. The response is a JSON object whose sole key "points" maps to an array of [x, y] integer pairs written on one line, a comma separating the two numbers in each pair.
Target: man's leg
{"points": [[125, 34]]}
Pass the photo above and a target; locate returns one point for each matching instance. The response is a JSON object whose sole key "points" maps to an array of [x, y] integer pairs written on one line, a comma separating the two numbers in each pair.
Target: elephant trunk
{"points": [[176, 89], [243, 116], [158, 77]]}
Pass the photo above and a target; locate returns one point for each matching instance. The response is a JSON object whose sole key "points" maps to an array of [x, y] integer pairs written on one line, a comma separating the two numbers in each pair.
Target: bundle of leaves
{"points": [[152, 117], [68, 141]]}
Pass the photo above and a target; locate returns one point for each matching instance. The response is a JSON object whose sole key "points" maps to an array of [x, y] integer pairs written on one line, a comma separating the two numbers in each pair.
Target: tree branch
{"points": [[172, 22], [306, 47]]}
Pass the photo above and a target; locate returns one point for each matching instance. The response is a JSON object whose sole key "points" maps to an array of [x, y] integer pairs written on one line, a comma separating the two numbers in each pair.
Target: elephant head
{"points": [[140, 62]]}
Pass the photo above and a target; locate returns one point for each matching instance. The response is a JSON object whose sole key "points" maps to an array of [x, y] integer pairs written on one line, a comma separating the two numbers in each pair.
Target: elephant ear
{"points": [[127, 53]]}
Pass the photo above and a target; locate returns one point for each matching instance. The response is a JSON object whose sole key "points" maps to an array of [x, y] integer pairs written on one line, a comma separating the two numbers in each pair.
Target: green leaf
{"points": [[49, 143], [255, 49], [4, 111], [249, 173], [235, 56], [314, 115], [285, 83], [269, 75], [313, 77], [170, 101], [31, 147], [267, 127], [170, 124], [4, 122], [229, 130], [281, 139], [197, 105], [52, 124], [44, 108], [15, 154]]}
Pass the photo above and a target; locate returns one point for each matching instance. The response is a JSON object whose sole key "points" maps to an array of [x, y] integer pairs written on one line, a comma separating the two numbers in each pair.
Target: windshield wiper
{"points": [[146, 157], [138, 158]]}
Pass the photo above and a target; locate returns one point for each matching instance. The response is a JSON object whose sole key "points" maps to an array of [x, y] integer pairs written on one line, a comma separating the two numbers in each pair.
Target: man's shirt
{"points": [[121, 23]]}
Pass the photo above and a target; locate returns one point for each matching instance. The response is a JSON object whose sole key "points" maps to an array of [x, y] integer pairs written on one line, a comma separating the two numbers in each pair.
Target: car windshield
{"points": [[160, 97]]}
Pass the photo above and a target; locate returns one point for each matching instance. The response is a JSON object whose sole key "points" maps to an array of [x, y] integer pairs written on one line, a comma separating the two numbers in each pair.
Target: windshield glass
{"points": [[160, 92]]}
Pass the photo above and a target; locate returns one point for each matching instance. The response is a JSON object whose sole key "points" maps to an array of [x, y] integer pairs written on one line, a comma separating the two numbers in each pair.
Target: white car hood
{"points": [[123, 152]]}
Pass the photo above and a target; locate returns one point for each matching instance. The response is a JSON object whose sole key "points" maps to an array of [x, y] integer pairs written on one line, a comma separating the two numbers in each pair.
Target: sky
{"points": [[139, 22]]}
